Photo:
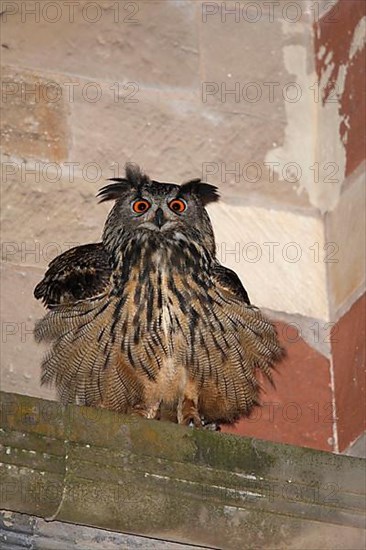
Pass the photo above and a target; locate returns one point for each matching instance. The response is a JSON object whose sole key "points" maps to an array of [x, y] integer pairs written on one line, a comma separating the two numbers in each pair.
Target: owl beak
{"points": [[159, 218]]}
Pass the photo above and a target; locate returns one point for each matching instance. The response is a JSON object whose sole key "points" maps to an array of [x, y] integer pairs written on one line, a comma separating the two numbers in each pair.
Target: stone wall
{"points": [[263, 99]]}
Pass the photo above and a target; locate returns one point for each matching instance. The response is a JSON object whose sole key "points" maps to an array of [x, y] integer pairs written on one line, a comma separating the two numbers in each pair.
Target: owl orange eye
{"points": [[177, 205], [140, 206]]}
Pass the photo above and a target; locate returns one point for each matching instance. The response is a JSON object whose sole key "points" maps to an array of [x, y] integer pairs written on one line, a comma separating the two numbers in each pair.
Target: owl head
{"points": [[160, 210]]}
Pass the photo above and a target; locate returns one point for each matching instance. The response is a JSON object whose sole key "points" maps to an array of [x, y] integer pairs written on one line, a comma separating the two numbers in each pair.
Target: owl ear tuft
{"points": [[113, 191], [134, 179], [204, 191], [135, 175]]}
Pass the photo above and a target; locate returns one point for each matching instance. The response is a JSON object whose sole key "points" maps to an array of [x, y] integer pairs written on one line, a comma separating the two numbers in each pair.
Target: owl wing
{"points": [[79, 273], [228, 279]]}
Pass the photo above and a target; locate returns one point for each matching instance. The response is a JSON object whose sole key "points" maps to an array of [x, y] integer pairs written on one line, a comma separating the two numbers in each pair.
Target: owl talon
{"points": [[192, 423], [212, 426]]}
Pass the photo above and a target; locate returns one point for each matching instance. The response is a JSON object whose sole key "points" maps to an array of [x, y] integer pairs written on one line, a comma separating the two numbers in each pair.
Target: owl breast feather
{"points": [[162, 281]]}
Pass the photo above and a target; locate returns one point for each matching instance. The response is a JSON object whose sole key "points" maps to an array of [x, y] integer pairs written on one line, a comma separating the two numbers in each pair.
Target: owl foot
{"points": [[187, 413], [211, 426], [146, 412], [192, 423]]}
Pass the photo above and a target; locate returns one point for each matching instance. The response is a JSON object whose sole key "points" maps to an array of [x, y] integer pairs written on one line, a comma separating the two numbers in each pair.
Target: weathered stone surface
{"points": [[34, 121], [274, 245], [345, 230], [169, 482], [349, 364], [20, 355], [144, 42], [329, 75], [190, 140], [340, 52], [257, 75], [44, 214]]}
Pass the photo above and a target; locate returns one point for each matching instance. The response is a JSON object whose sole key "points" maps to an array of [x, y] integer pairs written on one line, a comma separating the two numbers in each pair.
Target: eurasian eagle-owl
{"points": [[148, 319]]}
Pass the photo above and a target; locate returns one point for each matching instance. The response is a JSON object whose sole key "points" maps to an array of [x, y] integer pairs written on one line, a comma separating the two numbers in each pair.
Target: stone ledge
{"points": [[96, 468]]}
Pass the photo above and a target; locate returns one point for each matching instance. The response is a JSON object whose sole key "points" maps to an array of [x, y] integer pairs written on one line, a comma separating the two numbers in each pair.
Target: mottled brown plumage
{"points": [[79, 273], [148, 320]]}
